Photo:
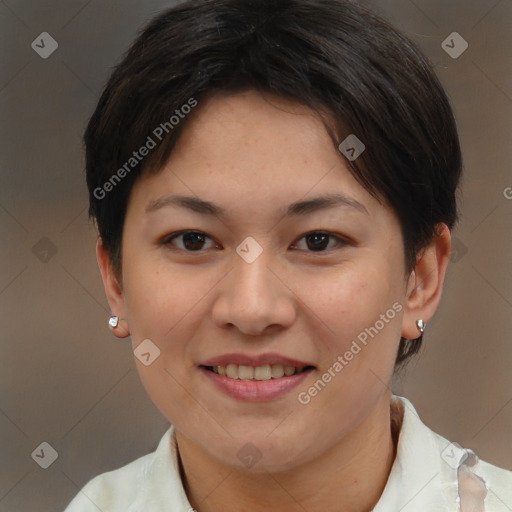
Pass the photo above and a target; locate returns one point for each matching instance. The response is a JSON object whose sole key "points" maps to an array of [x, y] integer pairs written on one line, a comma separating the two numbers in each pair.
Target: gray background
{"points": [[67, 381]]}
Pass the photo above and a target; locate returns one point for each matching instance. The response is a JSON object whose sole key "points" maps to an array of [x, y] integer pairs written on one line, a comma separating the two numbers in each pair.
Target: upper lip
{"points": [[254, 360]]}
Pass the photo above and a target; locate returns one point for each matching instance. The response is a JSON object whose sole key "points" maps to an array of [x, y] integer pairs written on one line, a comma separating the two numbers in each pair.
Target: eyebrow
{"points": [[295, 209]]}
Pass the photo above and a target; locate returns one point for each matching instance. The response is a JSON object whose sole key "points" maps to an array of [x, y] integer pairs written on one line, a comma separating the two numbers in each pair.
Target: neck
{"points": [[350, 477]]}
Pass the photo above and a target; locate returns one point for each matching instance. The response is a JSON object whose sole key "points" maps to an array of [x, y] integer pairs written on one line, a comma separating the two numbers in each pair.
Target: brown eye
{"points": [[192, 241], [195, 241], [318, 241]]}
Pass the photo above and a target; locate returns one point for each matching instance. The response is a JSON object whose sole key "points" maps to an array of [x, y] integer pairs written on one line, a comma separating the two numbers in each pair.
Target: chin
{"points": [[259, 453]]}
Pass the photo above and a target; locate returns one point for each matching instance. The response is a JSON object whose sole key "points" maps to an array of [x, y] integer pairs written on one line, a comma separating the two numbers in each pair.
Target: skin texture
{"points": [[253, 155]]}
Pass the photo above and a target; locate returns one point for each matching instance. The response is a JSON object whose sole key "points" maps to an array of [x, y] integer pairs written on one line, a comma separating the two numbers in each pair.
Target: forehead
{"points": [[255, 151], [248, 122]]}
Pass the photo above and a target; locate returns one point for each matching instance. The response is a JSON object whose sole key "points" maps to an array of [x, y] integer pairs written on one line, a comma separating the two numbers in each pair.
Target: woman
{"points": [[274, 185]]}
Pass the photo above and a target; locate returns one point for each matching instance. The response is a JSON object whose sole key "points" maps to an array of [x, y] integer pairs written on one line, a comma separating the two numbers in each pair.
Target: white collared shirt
{"points": [[429, 474]]}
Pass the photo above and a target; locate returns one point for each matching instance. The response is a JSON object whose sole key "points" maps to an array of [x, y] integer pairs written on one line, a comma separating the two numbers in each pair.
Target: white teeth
{"points": [[277, 371], [245, 372], [264, 372], [232, 371]]}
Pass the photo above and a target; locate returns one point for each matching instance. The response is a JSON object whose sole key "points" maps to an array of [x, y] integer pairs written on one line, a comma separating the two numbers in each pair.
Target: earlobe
{"points": [[113, 291], [425, 284], [119, 327]]}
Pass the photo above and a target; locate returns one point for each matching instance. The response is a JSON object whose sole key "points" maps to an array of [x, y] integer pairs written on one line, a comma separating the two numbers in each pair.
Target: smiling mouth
{"points": [[263, 372]]}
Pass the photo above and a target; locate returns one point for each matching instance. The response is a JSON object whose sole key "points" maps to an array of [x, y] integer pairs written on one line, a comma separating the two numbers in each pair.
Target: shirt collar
{"points": [[420, 478], [163, 488]]}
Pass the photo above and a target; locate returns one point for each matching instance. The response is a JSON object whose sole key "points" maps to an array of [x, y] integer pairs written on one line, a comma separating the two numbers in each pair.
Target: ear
{"points": [[113, 290], [425, 285]]}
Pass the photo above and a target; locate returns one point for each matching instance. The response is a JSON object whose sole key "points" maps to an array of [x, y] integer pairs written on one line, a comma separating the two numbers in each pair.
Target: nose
{"points": [[256, 298]]}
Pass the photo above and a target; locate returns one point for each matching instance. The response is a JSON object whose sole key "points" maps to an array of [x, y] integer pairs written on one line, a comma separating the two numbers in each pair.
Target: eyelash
{"points": [[167, 240]]}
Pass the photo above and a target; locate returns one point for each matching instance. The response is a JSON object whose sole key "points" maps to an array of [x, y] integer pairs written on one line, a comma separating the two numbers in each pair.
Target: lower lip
{"points": [[255, 390]]}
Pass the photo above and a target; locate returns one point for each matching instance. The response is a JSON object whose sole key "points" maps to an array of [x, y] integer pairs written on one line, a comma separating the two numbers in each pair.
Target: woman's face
{"points": [[259, 286]]}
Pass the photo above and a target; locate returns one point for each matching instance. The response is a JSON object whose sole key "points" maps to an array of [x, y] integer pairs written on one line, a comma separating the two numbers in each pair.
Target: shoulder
{"points": [[120, 489], [114, 490]]}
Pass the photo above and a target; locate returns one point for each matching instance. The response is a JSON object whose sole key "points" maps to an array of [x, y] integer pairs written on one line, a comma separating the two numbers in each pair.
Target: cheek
{"points": [[164, 306], [355, 299], [157, 298], [362, 311]]}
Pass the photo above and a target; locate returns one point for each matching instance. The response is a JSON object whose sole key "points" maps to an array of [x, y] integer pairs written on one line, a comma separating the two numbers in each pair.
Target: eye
{"points": [[317, 241], [193, 241]]}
